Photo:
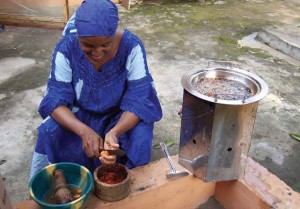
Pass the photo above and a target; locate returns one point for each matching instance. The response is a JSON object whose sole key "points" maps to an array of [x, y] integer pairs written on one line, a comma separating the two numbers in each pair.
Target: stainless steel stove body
{"points": [[216, 134]]}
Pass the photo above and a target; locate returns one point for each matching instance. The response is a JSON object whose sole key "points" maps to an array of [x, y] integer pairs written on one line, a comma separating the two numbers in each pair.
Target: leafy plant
{"points": [[295, 136], [168, 143]]}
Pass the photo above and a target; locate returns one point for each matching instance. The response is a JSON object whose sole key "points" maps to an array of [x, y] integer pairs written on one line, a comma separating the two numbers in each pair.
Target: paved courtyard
{"points": [[178, 37]]}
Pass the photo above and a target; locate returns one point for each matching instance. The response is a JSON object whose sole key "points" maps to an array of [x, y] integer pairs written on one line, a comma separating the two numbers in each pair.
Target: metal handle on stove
{"points": [[224, 63]]}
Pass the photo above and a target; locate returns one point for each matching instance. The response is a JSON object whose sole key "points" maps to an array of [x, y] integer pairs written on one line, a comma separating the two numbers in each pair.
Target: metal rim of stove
{"points": [[238, 74]]}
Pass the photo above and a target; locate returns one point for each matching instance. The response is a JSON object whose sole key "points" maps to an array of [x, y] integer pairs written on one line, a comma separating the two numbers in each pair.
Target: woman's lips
{"points": [[96, 58]]}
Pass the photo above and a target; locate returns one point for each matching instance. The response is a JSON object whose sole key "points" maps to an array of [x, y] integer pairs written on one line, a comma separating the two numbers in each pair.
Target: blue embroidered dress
{"points": [[98, 98]]}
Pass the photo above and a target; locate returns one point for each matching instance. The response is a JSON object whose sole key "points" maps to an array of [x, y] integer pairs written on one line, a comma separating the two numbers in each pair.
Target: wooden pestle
{"points": [[62, 192]]}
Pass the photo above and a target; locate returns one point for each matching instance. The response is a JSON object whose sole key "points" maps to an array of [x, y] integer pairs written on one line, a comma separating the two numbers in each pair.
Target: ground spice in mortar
{"points": [[112, 178]]}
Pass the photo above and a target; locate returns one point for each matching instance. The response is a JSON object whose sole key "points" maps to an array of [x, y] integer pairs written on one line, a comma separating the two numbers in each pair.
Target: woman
{"points": [[99, 94]]}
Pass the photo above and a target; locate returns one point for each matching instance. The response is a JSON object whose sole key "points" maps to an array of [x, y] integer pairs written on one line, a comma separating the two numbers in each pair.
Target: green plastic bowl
{"points": [[75, 175]]}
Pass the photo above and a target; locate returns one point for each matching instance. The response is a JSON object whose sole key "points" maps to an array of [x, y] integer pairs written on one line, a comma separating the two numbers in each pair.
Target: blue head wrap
{"points": [[96, 18]]}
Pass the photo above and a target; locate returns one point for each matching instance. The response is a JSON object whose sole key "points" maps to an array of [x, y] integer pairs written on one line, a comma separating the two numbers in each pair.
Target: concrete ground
{"points": [[178, 37]]}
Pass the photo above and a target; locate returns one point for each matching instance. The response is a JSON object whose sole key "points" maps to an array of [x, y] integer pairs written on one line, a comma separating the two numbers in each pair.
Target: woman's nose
{"points": [[97, 52]]}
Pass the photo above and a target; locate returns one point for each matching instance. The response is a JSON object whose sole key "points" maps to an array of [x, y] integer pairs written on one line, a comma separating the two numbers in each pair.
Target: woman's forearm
{"points": [[126, 122], [68, 120], [91, 141]]}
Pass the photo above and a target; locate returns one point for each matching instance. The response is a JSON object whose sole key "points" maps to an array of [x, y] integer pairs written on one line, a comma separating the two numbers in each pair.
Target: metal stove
{"points": [[215, 133]]}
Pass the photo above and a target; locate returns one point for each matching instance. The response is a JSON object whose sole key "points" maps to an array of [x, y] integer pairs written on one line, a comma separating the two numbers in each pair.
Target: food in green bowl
{"points": [[43, 186]]}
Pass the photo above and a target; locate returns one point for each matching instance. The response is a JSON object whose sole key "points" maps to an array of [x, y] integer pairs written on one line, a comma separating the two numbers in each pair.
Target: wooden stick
{"points": [[66, 11], [31, 21]]}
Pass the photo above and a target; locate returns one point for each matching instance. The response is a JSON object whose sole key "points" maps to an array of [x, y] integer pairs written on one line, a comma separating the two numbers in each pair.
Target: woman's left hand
{"points": [[126, 122], [110, 142]]}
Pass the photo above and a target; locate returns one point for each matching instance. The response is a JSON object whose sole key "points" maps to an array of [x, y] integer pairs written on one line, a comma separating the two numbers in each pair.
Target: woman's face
{"points": [[96, 48]]}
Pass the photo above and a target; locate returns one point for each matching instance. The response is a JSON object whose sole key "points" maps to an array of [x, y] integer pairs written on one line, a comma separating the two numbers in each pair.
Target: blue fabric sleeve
{"points": [[58, 94], [140, 96], [59, 88]]}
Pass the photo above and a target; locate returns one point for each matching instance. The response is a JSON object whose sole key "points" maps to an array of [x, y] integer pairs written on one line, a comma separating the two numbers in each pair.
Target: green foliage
{"points": [[295, 136], [168, 143]]}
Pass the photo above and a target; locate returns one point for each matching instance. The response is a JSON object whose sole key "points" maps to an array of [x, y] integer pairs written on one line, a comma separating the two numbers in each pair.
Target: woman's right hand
{"points": [[91, 142]]}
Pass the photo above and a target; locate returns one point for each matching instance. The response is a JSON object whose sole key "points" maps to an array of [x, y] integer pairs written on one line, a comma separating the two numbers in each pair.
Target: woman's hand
{"points": [[91, 142], [126, 122], [110, 142]]}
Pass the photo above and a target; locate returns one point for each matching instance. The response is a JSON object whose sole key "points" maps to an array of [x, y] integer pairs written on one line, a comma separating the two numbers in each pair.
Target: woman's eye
{"points": [[106, 45], [87, 46]]}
